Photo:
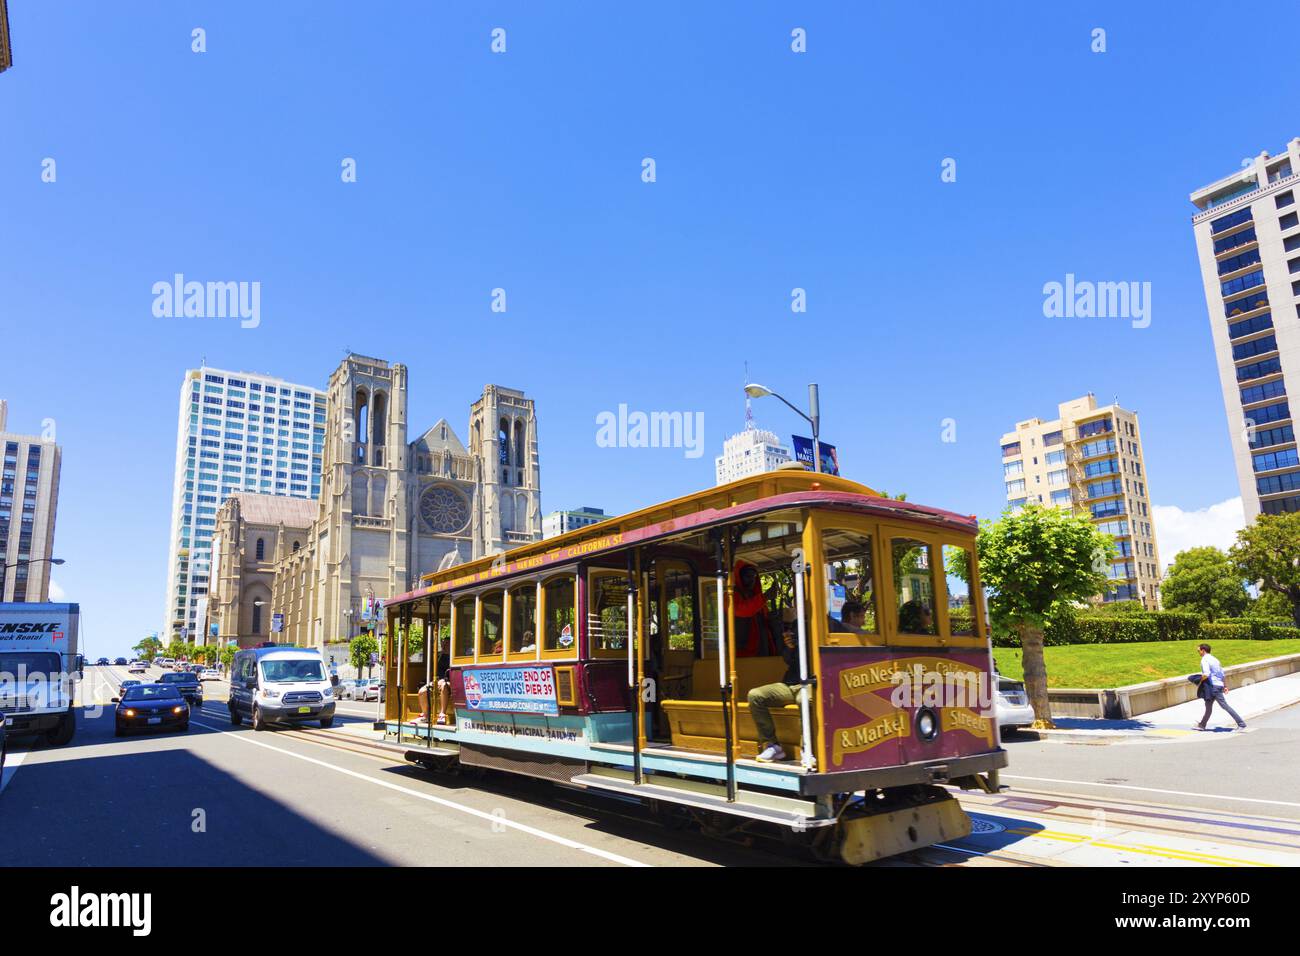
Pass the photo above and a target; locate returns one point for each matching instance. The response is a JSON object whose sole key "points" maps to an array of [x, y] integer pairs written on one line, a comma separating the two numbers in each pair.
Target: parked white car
{"points": [[349, 690], [136, 667], [209, 673], [373, 690], [1012, 705]]}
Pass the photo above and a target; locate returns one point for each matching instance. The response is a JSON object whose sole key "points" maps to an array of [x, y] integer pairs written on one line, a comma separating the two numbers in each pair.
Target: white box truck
{"points": [[39, 669]]}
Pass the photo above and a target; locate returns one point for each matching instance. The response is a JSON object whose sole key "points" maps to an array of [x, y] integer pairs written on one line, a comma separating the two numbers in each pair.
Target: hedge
{"points": [[1248, 630], [1092, 628]]}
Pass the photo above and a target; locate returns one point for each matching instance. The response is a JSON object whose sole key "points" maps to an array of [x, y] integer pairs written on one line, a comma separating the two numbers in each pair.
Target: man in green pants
{"points": [[786, 691]]}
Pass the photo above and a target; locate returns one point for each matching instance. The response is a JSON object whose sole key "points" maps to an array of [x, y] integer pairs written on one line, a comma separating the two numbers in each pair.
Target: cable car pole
{"points": [[722, 556], [633, 570], [431, 643], [805, 685]]}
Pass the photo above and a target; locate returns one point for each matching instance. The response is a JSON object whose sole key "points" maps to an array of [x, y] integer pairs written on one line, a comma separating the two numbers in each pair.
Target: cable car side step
{"points": [[781, 811]]}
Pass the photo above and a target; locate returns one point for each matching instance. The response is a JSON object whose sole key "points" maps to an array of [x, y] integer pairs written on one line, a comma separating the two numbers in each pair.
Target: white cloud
{"points": [[1177, 530], [56, 592]]}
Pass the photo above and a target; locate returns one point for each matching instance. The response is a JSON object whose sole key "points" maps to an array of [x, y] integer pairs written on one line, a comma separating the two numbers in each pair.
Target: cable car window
{"points": [[523, 619], [679, 608], [708, 617], [607, 613], [492, 632], [957, 573], [465, 628], [850, 582], [415, 636], [913, 586], [559, 600]]}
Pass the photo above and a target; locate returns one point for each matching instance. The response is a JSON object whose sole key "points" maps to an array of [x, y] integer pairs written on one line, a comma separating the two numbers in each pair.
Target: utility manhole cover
{"points": [[982, 825]]}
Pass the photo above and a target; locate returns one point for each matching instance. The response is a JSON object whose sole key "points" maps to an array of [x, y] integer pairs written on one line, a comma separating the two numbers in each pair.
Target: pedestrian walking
{"points": [[1212, 687]]}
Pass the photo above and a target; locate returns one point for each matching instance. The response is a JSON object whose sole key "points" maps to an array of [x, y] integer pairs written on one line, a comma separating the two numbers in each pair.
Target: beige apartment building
{"points": [[1089, 459], [1247, 228], [29, 500]]}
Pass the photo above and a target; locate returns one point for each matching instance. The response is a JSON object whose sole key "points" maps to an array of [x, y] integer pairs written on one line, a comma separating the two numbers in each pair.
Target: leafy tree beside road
{"points": [[1268, 552], [1037, 562], [1205, 581], [360, 649]]}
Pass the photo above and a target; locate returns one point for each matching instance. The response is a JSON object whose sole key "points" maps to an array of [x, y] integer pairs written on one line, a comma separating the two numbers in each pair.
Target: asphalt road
{"points": [[220, 795], [1255, 772]]}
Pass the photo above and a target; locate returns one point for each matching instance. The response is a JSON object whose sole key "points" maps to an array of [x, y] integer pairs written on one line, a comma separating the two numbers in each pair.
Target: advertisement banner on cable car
{"points": [[803, 453], [520, 690]]}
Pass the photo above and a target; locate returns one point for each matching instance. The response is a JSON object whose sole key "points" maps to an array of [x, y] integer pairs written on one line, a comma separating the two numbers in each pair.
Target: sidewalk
{"points": [[1251, 701]]}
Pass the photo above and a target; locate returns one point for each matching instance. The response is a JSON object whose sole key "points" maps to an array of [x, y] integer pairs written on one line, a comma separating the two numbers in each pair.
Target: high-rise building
{"points": [[29, 499], [750, 452], [1247, 231], [236, 432], [558, 522], [1089, 459]]}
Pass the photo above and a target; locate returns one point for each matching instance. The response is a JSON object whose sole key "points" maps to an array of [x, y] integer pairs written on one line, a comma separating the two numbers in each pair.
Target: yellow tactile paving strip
{"points": [[1072, 829]]}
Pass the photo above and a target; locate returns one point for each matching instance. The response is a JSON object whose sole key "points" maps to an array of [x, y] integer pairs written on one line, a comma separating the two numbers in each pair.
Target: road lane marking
{"points": [[1177, 793], [440, 801], [13, 760]]}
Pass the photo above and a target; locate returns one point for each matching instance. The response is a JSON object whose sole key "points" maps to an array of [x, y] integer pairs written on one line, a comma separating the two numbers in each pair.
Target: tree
{"points": [[1268, 552], [1036, 562], [360, 648], [227, 656], [1204, 580], [148, 648], [1270, 605]]}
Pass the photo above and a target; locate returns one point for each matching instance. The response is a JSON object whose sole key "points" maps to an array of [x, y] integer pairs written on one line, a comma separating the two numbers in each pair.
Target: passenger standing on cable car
{"points": [[754, 636]]}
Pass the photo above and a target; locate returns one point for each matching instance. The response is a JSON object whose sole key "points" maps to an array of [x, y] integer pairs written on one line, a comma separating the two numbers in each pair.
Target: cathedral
{"points": [[390, 510]]}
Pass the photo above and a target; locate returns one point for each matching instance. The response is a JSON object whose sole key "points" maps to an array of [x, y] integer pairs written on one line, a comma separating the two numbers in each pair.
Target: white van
{"points": [[280, 685]]}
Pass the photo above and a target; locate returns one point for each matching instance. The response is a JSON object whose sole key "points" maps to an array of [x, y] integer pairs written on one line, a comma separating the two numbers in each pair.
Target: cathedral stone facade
{"points": [[391, 510]]}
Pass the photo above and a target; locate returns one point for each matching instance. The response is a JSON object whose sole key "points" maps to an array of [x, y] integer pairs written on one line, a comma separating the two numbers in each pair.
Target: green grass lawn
{"points": [[1114, 665]]}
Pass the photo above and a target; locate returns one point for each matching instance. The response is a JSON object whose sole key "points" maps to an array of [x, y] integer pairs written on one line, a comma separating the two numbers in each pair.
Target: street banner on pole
{"points": [[803, 453]]}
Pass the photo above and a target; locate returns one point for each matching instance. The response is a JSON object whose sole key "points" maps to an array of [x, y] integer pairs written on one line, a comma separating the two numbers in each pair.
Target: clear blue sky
{"points": [[522, 171]]}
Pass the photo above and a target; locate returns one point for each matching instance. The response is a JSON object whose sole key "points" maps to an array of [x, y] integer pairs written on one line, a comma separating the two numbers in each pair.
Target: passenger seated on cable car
{"points": [[754, 632], [781, 694], [915, 618], [853, 619], [530, 643]]}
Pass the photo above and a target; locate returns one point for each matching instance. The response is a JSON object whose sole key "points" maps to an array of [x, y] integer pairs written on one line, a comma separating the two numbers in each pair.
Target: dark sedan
{"points": [[120, 662], [121, 691], [187, 683], [148, 706]]}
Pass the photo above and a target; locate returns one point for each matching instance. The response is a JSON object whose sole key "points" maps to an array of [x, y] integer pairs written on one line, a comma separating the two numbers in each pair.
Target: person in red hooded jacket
{"points": [[753, 626]]}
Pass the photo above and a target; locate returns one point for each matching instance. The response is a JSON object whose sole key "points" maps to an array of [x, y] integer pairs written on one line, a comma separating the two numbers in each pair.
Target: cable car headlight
{"points": [[927, 724]]}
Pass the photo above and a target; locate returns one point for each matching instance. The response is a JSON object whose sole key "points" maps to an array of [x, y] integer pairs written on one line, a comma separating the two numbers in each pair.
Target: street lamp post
{"points": [[30, 561], [813, 417], [23, 563]]}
